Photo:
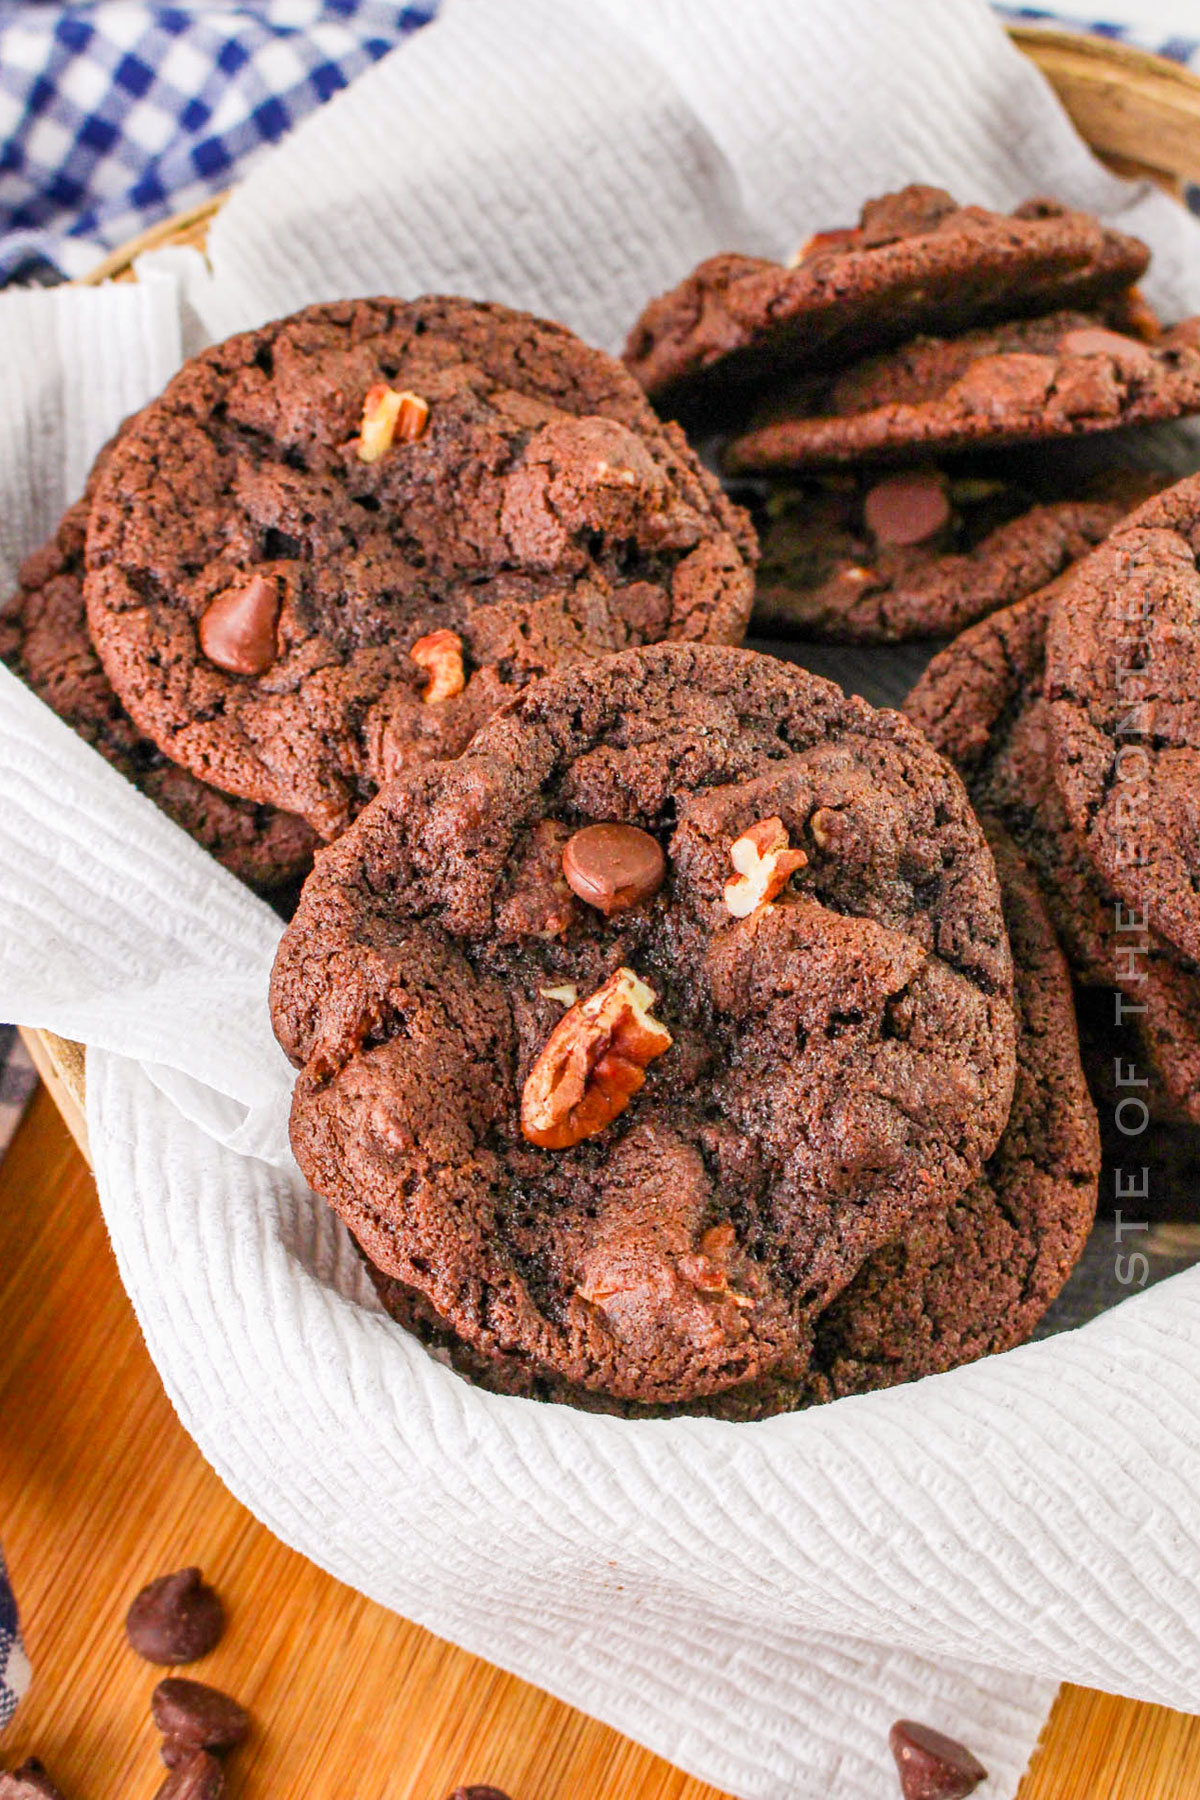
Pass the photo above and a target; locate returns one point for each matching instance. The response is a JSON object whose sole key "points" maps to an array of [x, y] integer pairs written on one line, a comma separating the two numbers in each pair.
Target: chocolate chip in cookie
{"points": [[44, 639], [1024, 381]]}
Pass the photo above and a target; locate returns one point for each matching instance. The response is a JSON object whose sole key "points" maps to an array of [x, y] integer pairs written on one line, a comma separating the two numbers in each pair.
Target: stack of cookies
{"points": [[675, 1033], [901, 396], [1074, 717]]}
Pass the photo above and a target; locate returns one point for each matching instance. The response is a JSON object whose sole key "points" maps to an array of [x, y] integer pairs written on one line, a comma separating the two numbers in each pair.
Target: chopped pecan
{"points": [[592, 1064], [764, 863], [706, 1268], [821, 242], [566, 993], [386, 416], [440, 654], [821, 824]]}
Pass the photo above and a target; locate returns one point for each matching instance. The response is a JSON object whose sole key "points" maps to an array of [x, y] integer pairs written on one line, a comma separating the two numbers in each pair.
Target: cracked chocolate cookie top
{"points": [[873, 556], [916, 261], [981, 703], [44, 639], [977, 1278], [1063, 375], [960, 1284], [1123, 685], [640, 1119], [334, 545]]}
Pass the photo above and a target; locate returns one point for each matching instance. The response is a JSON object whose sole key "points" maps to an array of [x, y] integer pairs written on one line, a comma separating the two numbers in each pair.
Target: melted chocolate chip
{"points": [[906, 509], [932, 1766], [237, 632], [176, 1619], [613, 867], [1095, 341]]}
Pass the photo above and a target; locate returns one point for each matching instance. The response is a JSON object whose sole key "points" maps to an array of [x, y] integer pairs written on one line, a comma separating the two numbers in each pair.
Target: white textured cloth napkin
{"points": [[757, 1602]]}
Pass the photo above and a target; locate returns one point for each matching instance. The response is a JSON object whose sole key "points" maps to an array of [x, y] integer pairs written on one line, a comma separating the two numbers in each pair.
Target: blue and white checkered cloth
{"points": [[1170, 28], [14, 1667], [115, 114]]}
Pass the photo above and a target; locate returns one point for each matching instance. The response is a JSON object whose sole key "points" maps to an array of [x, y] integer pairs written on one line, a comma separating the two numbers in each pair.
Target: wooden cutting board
{"points": [[101, 1488]]}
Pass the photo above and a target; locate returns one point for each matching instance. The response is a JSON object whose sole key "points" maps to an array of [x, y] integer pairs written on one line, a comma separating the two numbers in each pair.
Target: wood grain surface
{"points": [[100, 1489]]}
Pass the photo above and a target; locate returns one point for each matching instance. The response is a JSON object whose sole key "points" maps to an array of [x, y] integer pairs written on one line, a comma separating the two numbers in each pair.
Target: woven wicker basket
{"points": [[1140, 113]]}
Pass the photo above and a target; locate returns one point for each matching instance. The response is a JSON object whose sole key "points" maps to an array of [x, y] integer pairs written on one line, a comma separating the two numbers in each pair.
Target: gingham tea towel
{"points": [[14, 1667], [117, 114]]}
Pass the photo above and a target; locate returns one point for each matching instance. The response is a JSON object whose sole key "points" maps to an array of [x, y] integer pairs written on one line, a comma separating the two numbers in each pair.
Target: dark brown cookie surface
{"points": [[825, 959], [977, 1279], [963, 1284], [981, 704], [44, 639], [1064, 375], [916, 262], [873, 557], [1123, 684], [336, 544]]}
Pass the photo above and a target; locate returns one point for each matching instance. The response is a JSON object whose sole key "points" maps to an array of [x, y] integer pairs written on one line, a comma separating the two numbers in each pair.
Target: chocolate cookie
{"points": [[981, 703], [960, 1284], [336, 544], [917, 261], [877, 558], [1024, 381], [639, 1116], [44, 640], [977, 1278], [1123, 682]]}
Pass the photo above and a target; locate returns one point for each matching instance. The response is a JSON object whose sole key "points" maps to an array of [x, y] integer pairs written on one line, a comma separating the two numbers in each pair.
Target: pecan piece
{"points": [[386, 416], [764, 864], [592, 1064], [707, 1266], [821, 242], [440, 654]]}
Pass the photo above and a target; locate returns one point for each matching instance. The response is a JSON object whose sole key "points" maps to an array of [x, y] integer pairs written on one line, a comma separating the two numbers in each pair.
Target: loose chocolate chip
{"points": [[238, 630], [28, 1782], [932, 1767], [613, 867], [477, 1793], [906, 509], [175, 1752], [200, 1778], [194, 1716], [176, 1619]]}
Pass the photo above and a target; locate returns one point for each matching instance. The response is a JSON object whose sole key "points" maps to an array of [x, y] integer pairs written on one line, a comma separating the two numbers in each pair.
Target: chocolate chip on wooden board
{"points": [[193, 1716], [200, 1778], [28, 1782], [176, 1619], [477, 1793], [933, 1766]]}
